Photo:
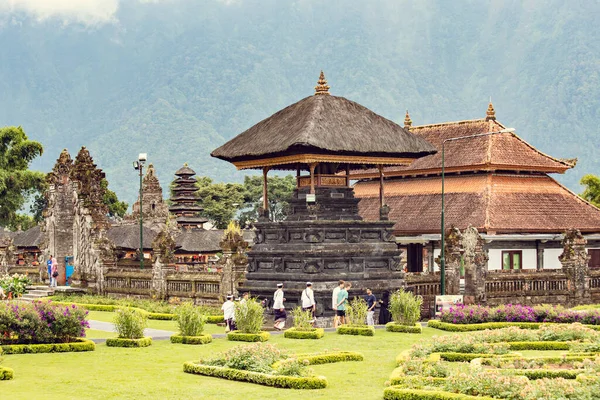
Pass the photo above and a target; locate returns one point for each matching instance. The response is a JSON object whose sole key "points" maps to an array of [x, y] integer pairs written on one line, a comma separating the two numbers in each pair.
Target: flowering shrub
{"points": [[459, 344], [486, 384], [437, 369], [14, 284], [565, 333], [475, 314], [294, 367], [41, 323]]}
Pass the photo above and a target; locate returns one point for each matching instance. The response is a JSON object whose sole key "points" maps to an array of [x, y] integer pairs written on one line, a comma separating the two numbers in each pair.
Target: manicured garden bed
{"points": [[76, 345], [124, 342], [356, 330], [238, 336], [202, 339], [396, 327], [315, 333]]}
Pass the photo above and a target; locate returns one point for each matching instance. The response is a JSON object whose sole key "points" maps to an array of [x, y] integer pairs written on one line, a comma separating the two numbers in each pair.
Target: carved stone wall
{"points": [[574, 260], [453, 252], [234, 262], [475, 259], [154, 207]]}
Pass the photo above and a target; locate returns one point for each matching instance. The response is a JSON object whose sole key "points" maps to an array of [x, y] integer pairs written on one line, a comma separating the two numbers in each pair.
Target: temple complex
{"points": [[496, 183], [323, 238]]}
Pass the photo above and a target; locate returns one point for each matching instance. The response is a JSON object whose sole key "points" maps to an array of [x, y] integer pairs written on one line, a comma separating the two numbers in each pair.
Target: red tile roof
{"points": [[495, 152], [501, 203]]}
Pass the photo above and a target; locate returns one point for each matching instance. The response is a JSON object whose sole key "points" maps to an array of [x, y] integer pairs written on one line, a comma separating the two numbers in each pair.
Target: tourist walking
{"points": [[371, 303], [334, 300], [244, 298], [229, 314], [54, 271], [341, 303], [49, 264], [308, 300], [279, 308], [384, 312]]}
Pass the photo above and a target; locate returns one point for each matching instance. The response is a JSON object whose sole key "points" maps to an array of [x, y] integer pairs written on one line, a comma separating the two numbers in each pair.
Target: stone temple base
{"points": [[323, 252]]}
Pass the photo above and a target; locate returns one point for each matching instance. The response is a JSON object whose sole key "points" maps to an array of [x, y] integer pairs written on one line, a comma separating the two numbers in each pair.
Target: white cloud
{"points": [[88, 12]]}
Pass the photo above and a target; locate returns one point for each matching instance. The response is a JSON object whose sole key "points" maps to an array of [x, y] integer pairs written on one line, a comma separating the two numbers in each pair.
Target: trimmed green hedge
{"points": [[544, 373], [445, 326], [356, 330], [238, 336], [6, 374], [293, 333], [397, 378], [333, 357], [463, 357], [79, 345], [202, 339], [210, 319], [122, 342], [394, 393], [280, 381], [538, 345], [395, 327]]}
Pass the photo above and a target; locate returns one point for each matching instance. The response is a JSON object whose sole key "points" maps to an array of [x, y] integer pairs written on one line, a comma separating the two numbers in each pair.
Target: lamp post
{"points": [[139, 166], [443, 238]]}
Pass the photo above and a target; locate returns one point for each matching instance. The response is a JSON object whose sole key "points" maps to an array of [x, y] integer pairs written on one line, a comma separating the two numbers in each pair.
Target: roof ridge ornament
{"points": [[322, 88], [407, 121], [491, 113]]}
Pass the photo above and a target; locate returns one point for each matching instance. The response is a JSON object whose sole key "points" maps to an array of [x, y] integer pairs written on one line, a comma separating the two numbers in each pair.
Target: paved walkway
{"points": [[156, 334]]}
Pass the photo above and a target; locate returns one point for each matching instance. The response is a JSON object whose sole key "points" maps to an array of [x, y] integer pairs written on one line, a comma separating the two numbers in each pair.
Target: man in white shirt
{"points": [[308, 300], [229, 313], [334, 302], [279, 308]]}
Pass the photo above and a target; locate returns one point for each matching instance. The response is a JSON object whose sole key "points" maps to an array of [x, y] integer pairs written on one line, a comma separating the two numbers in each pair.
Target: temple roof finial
{"points": [[491, 113], [407, 121], [322, 88]]}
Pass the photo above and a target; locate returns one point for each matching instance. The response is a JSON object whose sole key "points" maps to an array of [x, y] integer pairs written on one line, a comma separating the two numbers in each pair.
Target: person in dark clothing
{"points": [[384, 313]]}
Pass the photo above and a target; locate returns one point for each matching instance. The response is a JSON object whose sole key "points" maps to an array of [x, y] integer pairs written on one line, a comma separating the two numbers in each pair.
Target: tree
{"points": [[279, 190], [116, 208], [220, 201], [592, 189], [17, 182]]}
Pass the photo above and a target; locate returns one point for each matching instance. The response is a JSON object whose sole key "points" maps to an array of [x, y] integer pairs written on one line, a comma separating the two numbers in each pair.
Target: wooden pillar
{"points": [[265, 190], [348, 175], [312, 167], [540, 255], [381, 187]]}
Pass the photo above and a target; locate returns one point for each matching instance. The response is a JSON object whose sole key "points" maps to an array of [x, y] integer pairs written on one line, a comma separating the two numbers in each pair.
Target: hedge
{"points": [[122, 342], [293, 333], [356, 330], [202, 339], [6, 374], [210, 319], [463, 357], [394, 393], [544, 373], [78, 345], [445, 326], [395, 327], [538, 345], [238, 336], [332, 357], [399, 379], [280, 381]]}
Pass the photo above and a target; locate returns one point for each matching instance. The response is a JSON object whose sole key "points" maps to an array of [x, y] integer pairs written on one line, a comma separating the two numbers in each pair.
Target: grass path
{"points": [[156, 372]]}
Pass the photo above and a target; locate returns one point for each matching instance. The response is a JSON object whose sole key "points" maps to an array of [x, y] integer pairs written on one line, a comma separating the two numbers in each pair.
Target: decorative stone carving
{"points": [[475, 263], [574, 260], [312, 267], [453, 251]]}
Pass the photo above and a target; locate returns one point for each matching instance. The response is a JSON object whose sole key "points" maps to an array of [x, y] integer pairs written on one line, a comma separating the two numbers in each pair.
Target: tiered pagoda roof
{"points": [[497, 183], [185, 199]]}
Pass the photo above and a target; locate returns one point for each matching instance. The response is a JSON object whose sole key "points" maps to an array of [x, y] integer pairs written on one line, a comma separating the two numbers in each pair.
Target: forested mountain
{"points": [[177, 78]]}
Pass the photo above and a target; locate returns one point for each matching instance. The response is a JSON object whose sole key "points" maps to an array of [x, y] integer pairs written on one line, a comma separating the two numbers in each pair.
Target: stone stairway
{"points": [[36, 292]]}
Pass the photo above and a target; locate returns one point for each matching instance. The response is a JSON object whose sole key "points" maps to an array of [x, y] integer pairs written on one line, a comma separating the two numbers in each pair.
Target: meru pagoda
{"points": [[323, 238], [185, 199]]}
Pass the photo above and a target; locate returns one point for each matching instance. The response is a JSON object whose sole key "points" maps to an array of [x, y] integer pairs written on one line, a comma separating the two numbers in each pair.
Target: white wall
{"points": [[495, 262], [436, 254], [551, 258]]}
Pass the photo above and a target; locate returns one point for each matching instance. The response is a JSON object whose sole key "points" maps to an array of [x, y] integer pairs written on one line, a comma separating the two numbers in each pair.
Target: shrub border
{"points": [[293, 333], [330, 357], [539, 373], [80, 344], [123, 342], [549, 345], [396, 393], [238, 336], [280, 381], [6, 373], [446, 326], [396, 327], [202, 339], [210, 319], [366, 330]]}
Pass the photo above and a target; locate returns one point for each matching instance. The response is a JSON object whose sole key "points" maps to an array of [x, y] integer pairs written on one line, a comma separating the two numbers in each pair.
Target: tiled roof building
{"points": [[497, 183]]}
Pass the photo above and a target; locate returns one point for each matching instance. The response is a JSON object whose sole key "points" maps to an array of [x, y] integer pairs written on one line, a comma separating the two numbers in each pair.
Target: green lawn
{"points": [[156, 372]]}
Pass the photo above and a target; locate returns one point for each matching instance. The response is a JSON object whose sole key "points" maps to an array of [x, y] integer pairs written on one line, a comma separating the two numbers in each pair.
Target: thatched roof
{"points": [[128, 236], [185, 171], [324, 125], [204, 241], [32, 237]]}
